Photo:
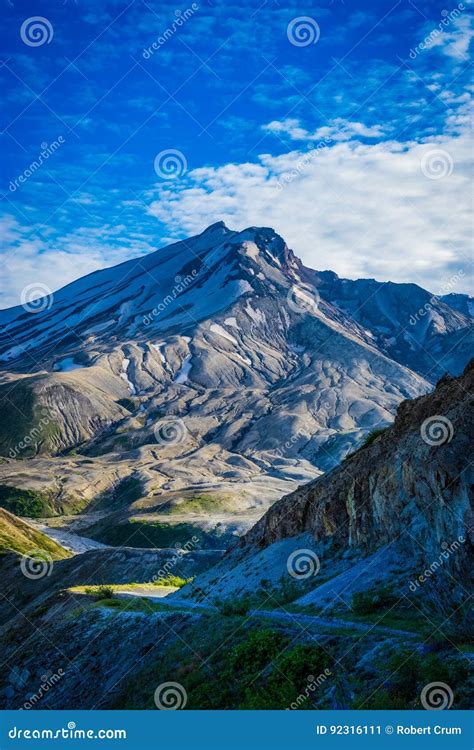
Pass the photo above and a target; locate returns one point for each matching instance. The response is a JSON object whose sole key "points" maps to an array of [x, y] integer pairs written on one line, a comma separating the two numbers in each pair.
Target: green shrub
{"points": [[367, 602], [100, 592], [406, 675], [26, 503], [373, 435], [170, 580]]}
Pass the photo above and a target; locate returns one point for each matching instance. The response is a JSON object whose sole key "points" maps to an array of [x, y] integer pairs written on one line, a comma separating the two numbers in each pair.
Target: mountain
{"points": [[399, 507], [210, 375], [463, 303], [431, 335]]}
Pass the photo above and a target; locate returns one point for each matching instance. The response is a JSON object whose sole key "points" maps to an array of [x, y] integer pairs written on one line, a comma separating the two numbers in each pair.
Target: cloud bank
{"points": [[393, 211]]}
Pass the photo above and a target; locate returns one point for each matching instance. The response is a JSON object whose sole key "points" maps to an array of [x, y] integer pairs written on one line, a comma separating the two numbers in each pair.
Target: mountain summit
{"points": [[219, 361]]}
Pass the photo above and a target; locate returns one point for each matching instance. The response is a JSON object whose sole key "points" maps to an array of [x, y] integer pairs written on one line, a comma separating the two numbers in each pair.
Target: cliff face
{"points": [[412, 484]]}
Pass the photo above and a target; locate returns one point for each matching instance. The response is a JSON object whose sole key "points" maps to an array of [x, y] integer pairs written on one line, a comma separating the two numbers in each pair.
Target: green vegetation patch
{"points": [[154, 534], [245, 669], [200, 503], [28, 503], [407, 673], [368, 440], [26, 426], [367, 602], [174, 581], [17, 536]]}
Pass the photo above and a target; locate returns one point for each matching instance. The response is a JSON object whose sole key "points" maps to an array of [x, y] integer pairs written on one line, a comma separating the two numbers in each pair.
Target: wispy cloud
{"points": [[384, 210], [338, 129]]}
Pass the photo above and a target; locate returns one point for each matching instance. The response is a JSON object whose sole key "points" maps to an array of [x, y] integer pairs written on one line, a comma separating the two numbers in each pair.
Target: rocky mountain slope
{"points": [[219, 364], [430, 334]]}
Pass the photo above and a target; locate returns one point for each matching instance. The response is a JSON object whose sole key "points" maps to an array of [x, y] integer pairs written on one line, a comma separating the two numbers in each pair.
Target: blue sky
{"points": [[347, 132]]}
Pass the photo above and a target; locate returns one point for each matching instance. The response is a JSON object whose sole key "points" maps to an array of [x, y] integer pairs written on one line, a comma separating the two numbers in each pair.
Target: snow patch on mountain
{"points": [[124, 376], [216, 328], [183, 373]]}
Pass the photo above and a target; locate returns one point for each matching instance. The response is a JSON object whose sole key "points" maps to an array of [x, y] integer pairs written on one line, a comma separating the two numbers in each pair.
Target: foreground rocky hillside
{"points": [[415, 475], [351, 592], [395, 507]]}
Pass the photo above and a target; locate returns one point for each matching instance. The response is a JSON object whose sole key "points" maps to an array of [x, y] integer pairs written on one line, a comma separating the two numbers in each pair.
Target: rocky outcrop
{"points": [[412, 484]]}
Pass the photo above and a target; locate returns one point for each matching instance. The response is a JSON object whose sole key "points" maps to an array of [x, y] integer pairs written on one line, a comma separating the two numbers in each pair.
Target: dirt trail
{"points": [[291, 618]]}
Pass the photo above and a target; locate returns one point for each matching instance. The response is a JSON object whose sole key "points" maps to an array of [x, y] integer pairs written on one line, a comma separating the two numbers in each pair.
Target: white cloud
{"points": [[338, 129], [361, 210], [28, 257], [451, 35]]}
